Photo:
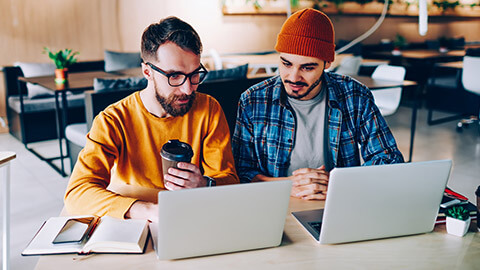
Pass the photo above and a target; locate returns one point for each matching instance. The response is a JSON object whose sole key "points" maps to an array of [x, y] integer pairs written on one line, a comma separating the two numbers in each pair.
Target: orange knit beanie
{"points": [[308, 32]]}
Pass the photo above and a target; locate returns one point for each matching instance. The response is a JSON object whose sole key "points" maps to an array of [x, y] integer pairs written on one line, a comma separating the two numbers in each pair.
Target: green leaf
{"points": [[63, 58], [457, 212]]}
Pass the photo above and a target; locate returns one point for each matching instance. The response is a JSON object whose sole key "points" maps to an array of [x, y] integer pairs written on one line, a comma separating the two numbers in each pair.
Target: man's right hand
{"points": [[310, 184], [143, 210]]}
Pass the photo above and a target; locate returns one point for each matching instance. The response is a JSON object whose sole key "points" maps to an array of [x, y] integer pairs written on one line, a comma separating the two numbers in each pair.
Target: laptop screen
{"points": [[371, 202], [204, 221]]}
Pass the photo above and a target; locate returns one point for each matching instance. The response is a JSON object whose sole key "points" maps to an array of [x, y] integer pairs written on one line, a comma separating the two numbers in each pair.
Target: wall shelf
{"points": [[355, 9]]}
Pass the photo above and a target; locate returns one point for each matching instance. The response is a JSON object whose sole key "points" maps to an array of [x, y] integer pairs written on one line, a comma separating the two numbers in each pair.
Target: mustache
{"points": [[296, 83], [179, 97]]}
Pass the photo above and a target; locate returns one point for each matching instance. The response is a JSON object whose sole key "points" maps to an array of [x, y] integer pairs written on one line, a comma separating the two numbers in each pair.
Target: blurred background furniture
{"points": [[217, 59], [115, 61], [34, 111], [259, 63], [76, 137], [349, 65], [388, 99], [446, 94], [355, 50], [31, 108], [77, 83], [419, 59], [32, 119], [471, 82], [239, 72]]}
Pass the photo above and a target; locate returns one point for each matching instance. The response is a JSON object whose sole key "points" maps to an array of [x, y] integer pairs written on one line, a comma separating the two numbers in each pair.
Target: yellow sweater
{"points": [[124, 145]]}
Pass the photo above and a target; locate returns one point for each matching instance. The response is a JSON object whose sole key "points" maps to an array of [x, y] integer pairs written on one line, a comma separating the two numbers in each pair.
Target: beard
{"points": [[315, 84], [168, 103]]}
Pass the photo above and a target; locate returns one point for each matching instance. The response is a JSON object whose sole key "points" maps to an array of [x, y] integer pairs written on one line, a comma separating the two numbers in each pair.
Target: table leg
{"points": [[412, 131], [22, 129], [413, 123], [6, 217], [64, 124], [60, 122]]}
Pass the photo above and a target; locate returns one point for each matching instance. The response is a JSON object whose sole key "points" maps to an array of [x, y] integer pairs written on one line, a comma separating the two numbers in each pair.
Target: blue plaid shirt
{"points": [[265, 128]]}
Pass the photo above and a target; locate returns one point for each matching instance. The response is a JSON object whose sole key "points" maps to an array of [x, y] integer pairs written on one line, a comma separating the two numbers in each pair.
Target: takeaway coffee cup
{"points": [[175, 151]]}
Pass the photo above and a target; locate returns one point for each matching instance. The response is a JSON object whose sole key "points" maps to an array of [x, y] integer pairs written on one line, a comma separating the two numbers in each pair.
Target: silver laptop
{"points": [[371, 202], [222, 219]]}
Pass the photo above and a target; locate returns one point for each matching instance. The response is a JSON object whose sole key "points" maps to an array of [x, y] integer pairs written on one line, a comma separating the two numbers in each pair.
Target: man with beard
{"points": [[303, 123], [124, 143]]}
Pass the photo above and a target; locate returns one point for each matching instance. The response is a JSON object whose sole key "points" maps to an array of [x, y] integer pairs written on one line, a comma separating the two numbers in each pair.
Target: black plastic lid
{"points": [[177, 151]]}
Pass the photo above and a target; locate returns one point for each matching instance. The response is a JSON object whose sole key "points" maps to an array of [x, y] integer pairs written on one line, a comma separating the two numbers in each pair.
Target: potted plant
{"points": [[399, 43], [62, 59], [443, 42], [458, 220]]}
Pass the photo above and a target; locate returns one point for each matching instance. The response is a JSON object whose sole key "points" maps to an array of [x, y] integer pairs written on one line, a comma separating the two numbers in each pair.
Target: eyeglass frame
{"points": [[189, 75]]}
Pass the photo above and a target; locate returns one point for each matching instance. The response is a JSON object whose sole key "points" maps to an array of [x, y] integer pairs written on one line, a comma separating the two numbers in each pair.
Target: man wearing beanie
{"points": [[304, 122]]}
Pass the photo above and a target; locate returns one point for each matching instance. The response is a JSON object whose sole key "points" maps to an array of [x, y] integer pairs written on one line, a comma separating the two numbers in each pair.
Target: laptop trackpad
{"points": [[311, 220]]}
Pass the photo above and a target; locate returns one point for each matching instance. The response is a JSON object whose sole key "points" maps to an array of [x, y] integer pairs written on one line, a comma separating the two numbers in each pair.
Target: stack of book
{"points": [[451, 198]]}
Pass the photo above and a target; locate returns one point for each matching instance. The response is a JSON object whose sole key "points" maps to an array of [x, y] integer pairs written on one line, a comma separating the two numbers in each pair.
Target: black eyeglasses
{"points": [[178, 78]]}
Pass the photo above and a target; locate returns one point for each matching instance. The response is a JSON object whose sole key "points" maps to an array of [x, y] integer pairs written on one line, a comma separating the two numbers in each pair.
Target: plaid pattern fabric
{"points": [[264, 134]]}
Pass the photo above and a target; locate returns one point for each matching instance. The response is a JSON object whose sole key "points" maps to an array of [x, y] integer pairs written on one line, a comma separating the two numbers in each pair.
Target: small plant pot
{"points": [[396, 52], [443, 49], [457, 227], [61, 75]]}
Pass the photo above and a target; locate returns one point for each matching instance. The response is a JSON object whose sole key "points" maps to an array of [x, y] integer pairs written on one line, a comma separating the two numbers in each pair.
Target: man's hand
{"points": [[143, 210], [310, 184], [186, 176]]}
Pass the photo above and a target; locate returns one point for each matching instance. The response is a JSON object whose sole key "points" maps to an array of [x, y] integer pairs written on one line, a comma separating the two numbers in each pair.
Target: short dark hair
{"points": [[170, 29]]}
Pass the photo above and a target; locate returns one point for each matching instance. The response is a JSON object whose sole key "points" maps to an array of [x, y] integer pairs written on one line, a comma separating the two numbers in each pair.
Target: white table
{"points": [[435, 250], [5, 158]]}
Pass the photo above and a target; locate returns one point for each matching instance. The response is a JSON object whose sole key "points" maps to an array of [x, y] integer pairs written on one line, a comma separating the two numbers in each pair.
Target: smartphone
{"points": [[75, 230]]}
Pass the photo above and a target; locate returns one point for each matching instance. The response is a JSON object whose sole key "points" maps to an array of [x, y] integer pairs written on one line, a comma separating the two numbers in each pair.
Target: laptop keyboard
{"points": [[316, 225]]}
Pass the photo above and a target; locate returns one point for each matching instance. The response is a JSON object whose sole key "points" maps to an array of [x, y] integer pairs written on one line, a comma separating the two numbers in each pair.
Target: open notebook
{"points": [[61, 235]]}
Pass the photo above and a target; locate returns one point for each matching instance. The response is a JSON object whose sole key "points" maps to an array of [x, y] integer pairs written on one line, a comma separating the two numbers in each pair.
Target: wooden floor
{"points": [[37, 190]]}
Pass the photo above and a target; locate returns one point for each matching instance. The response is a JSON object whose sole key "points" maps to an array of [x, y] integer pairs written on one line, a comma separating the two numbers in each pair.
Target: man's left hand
{"points": [[186, 176]]}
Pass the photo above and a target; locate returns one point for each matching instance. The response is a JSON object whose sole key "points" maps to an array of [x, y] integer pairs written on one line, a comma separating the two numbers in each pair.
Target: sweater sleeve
{"points": [[217, 161], [87, 192]]}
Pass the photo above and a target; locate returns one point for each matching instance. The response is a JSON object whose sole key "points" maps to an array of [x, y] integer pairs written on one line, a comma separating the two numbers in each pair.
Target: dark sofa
{"points": [[33, 120]]}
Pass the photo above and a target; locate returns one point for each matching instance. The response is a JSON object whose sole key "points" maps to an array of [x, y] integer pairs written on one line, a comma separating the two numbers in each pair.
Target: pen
{"points": [[92, 229]]}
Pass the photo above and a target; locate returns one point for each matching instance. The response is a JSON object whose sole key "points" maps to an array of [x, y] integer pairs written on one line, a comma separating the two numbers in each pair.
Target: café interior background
{"points": [[92, 26]]}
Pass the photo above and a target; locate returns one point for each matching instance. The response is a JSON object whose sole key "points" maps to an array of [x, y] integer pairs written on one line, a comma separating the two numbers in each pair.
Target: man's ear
{"points": [[147, 72], [327, 65]]}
